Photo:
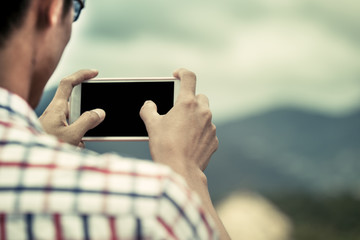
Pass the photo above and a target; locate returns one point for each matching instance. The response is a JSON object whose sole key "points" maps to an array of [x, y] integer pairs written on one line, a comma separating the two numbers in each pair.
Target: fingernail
{"points": [[94, 71], [100, 112]]}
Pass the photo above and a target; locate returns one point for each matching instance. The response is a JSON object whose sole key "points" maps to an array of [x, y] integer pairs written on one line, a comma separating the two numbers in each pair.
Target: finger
{"points": [[68, 83], [187, 81], [81, 145], [202, 99], [87, 121], [148, 113]]}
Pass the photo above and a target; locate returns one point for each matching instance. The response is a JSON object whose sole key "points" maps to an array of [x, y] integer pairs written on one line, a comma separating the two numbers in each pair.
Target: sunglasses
{"points": [[78, 6]]}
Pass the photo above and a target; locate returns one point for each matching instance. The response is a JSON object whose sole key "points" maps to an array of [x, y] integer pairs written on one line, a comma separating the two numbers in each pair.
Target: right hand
{"points": [[184, 138]]}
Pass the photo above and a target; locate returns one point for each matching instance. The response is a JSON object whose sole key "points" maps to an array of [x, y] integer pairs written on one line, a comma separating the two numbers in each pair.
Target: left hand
{"points": [[54, 118]]}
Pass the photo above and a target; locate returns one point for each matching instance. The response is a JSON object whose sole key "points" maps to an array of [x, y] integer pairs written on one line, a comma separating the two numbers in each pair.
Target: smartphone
{"points": [[122, 99]]}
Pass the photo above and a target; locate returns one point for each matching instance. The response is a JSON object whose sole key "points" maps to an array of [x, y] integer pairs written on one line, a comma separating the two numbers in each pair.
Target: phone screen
{"points": [[122, 102]]}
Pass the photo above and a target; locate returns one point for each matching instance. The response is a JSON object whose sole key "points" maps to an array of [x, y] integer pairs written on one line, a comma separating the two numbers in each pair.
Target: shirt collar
{"points": [[16, 110]]}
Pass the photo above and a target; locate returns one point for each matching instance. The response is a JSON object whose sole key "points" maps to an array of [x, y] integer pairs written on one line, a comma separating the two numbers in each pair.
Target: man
{"points": [[50, 189]]}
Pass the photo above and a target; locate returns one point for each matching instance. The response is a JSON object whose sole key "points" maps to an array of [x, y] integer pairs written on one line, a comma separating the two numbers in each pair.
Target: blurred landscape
{"points": [[289, 150], [283, 79]]}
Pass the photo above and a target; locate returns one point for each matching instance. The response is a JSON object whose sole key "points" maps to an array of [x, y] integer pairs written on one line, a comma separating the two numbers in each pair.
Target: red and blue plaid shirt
{"points": [[51, 190]]}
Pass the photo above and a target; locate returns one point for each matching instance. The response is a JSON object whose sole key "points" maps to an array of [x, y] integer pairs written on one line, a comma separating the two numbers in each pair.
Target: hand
{"points": [[185, 137], [54, 118]]}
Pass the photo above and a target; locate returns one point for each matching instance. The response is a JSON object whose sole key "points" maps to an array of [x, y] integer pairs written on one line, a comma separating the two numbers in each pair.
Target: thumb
{"points": [[87, 121], [148, 112]]}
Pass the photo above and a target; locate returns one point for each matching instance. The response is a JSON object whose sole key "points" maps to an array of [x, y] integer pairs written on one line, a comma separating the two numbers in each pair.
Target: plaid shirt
{"points": [[51, 190]]}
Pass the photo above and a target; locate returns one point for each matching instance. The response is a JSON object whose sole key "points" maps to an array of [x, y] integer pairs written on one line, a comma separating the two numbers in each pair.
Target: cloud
{"points": [[249, 55], [185, 21]]}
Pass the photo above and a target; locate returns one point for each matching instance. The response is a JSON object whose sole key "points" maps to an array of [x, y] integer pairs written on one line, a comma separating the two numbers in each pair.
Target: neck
{"points": [[17, 59], [15, 68]]}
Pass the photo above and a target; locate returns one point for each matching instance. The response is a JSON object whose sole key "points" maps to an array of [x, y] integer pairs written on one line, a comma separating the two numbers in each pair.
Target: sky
{"points": [[250, 56]]}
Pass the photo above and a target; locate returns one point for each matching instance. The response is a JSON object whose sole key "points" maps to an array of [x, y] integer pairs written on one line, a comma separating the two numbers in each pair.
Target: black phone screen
{"points": [[122, 102]]}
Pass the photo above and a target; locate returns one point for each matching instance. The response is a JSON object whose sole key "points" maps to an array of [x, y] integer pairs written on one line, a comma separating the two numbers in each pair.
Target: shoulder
{"points": [[151, 196], [56, 178]]}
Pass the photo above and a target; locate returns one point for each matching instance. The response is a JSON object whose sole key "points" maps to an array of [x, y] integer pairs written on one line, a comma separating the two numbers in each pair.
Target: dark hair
{"points": [[13, 13]]}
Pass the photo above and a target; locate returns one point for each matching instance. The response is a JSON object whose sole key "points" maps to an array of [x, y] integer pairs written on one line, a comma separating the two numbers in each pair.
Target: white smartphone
{"points": [[122, 99]]}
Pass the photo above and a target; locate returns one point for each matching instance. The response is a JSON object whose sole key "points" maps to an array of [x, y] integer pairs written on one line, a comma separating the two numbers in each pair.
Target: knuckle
{"points": [[90, 115], [142, 112], [189, 102], [207, 114], [216, 143], [213, 128], [66, 82], [86, 114], [189, 74]]}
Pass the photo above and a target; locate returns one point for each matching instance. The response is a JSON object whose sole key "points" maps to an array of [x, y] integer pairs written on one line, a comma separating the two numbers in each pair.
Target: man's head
{"points": [[33, 36], [12, 15]]}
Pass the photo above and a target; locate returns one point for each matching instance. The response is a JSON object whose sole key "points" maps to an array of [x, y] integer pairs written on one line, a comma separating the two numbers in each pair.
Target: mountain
{"points": [[289, 150], [283, 150]]}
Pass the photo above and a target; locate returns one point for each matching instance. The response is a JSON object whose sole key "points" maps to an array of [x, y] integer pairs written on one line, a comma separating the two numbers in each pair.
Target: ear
{"points": [[55, 11], [50, 12]]}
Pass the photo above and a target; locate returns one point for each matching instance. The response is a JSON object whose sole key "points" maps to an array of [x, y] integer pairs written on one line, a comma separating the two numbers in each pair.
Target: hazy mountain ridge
{"points": [[298, 150]]}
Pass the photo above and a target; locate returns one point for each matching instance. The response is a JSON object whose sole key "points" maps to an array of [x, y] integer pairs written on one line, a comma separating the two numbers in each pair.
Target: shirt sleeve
{"points": [[180, 213]]}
